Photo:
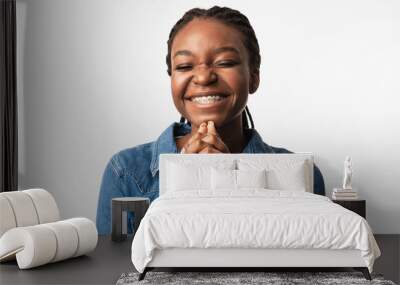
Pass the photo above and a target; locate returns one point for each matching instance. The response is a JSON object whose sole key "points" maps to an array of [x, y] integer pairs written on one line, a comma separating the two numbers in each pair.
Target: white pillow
{"points": [[222, 179], [283, 174], [289, 179], [183, 176], [251, 178]]}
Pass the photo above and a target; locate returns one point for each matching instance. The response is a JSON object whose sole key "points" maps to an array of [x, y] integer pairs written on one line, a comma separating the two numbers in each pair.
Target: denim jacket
{"points": [[134, 171]]}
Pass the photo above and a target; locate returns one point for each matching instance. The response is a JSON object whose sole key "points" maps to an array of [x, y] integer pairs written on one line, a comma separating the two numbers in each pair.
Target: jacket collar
{"points": [[166, 143]]}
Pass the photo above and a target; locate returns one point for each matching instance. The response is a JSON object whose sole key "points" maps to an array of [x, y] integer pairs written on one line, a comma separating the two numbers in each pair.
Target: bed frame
{"points": [[248, 259], [244, 259]]}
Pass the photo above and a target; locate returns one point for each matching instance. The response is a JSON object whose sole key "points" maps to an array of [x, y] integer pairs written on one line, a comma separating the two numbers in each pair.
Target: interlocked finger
{"points": [[205, 140], [195, 146], [214, 139], [211, 128], [216, 142], [210, 149]]}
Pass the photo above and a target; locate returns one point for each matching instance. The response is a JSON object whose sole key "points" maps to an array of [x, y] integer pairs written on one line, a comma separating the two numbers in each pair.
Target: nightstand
{"points": [[120, 206], [357, 206]]}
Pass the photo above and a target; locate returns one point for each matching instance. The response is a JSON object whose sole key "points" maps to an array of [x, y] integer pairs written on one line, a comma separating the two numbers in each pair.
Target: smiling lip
{"points": [[208, 105], [204, 94]]}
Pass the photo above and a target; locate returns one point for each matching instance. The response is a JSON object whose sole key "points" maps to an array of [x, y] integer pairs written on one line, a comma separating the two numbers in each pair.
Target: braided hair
{"points": [[229, 17]]}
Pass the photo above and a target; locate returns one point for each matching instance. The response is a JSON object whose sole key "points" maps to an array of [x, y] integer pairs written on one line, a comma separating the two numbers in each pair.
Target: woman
{"points": [[213, 60]]}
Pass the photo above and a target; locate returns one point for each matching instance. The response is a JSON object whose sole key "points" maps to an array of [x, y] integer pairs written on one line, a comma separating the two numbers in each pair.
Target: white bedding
{"points": [[251, 218]]}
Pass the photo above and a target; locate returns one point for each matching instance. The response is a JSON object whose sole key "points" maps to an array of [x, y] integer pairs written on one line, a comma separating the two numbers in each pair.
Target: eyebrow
{"points": [[225, 49], [217, 50]]}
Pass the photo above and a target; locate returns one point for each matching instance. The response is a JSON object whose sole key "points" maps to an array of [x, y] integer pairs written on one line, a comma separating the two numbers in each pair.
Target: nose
{"points": [[204, 75]]}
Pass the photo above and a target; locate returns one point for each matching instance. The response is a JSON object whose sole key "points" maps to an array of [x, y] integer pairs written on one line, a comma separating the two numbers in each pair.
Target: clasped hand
{"points": [[205, 140]]}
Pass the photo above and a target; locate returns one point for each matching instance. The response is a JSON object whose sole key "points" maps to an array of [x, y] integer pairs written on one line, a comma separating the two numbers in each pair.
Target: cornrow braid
{"points": [[229, 17], [250, 117]]}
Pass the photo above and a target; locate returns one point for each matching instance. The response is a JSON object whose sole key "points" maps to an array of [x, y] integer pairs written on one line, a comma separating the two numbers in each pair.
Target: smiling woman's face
{"points": [[210, 77]]}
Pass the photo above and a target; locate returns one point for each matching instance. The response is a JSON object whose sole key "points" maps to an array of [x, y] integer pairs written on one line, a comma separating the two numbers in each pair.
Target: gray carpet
{"points": [[270, 278]]}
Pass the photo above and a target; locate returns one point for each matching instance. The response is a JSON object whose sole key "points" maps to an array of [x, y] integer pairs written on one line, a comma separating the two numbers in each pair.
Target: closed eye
{"points": [[226, 63], [183, 67]]}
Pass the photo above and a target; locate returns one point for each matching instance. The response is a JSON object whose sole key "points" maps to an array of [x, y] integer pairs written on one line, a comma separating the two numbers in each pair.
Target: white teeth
{"points": [[207, 99]]}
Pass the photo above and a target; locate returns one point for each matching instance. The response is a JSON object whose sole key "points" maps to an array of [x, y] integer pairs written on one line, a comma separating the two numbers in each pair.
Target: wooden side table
{"points": [[357, 206], [120, 207]]}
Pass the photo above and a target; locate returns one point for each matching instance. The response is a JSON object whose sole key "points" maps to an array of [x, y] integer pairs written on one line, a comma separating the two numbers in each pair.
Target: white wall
{"points": [[93, 81]]}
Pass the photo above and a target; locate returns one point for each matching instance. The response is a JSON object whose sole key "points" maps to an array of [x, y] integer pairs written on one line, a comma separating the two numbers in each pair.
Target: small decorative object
{"points": [[346, 192], [348, 173]]}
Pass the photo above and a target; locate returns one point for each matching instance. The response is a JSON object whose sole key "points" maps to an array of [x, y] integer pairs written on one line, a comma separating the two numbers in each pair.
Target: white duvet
{"points": [[250, 218]]}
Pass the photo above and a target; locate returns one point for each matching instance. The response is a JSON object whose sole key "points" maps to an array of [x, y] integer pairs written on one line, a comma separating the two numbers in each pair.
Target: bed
{"points": [[247, 210]]}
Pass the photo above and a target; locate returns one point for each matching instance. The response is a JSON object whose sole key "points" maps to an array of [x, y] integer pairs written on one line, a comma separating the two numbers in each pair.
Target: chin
{"points": [[218, 121]]}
